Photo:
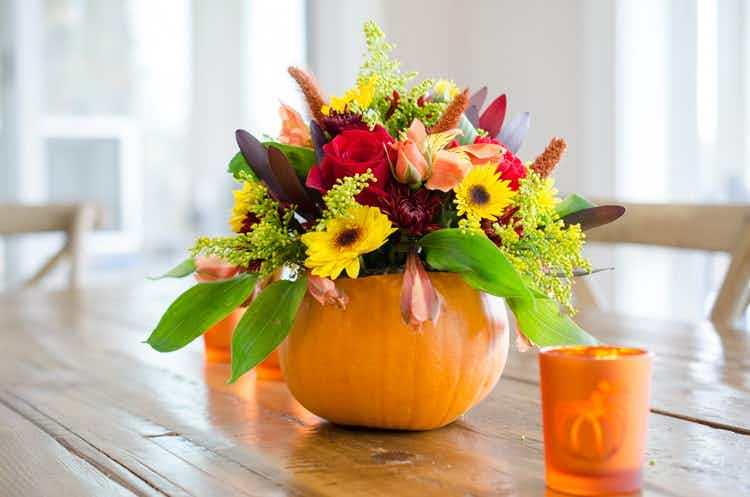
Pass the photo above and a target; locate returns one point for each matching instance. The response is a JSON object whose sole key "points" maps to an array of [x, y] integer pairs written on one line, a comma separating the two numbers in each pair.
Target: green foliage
{"points": [[199, 308], [572, 203], [239, 168], [541, 321], [547, 251], [265, 324], [185, 268], [273, 241], [476, 259], [389, 79], [301, 158], [341, 197]]}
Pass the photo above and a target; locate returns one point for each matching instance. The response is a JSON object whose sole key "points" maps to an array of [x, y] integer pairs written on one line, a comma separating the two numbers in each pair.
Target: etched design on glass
{"points": [[592, 429]]}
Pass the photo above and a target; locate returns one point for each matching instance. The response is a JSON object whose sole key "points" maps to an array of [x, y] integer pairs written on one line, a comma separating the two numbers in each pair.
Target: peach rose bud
{"points": [[411, 166], [420, 301]]}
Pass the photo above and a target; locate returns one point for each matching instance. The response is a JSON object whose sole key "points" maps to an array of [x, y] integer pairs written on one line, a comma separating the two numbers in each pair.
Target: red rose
{"points": [[509, 166], [511, 169], [355, 151], [486, 139]]}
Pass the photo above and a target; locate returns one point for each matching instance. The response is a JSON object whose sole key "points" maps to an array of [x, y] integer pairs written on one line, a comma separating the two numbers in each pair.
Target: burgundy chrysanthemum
{"points": [[411, 210], [336, 122]]}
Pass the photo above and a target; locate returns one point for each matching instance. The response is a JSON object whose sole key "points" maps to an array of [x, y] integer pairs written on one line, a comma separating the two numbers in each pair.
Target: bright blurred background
{"points": [[132, 104]]}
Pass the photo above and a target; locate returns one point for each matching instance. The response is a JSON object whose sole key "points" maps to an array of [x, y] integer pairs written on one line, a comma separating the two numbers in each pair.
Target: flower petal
{"points": [[324, 290], [448, 169], [352, 269], [420, 302], [214, 268]]}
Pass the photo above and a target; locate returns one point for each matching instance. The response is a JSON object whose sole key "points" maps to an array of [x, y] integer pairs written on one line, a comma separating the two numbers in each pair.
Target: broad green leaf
{"points": [[265, 324], [469, 133], [481, 264], [301, 158], [543, 323], [572, 203], [185, 268], [239, 167], [199, 308]]}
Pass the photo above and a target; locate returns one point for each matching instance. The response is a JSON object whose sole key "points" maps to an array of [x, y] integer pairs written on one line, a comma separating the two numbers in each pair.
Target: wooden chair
{"points": [[75, 220], [715, 228]]}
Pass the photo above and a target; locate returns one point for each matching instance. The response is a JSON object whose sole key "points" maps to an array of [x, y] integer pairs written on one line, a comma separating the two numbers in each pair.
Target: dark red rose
{"points": [[411, 210], [355, 151]]}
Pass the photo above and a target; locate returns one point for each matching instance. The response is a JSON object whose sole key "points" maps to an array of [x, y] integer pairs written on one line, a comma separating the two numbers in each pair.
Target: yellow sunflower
{"points": [[243, 200], [482, 194], [362, 94], [361, 230]]}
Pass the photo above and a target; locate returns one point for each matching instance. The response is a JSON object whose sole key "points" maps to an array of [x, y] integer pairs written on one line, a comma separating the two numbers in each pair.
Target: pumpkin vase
{"points": [[363, 366]]}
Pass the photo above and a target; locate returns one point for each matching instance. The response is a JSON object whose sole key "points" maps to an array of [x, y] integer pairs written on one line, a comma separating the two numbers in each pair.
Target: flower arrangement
{"points": [[395, 176]]}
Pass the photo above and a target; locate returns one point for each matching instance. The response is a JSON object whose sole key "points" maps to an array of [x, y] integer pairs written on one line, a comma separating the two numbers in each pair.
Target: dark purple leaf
{"points": [[257, 158], [318, 139], [290, 186], [513, 133], [492, 118], [478, 98], [595, 216], [472, 114]]}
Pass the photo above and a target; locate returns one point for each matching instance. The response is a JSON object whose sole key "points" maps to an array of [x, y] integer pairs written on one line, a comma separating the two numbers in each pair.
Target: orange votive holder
{"points": [[595, 405]]}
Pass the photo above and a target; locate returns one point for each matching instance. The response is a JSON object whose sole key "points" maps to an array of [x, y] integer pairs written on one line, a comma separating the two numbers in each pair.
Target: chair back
{"points": [[709, 227]]}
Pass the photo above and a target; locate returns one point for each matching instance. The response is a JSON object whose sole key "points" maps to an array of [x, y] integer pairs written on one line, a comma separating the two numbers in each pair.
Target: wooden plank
{"points": [[235, 433], [33, 463]]}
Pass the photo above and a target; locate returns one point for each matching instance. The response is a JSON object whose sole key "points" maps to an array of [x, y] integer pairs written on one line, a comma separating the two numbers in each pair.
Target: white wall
{"points": [[553, 59]]}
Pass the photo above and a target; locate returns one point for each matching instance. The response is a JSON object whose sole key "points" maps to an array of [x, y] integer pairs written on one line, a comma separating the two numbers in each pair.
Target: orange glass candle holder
{"points": [[595, 405]]}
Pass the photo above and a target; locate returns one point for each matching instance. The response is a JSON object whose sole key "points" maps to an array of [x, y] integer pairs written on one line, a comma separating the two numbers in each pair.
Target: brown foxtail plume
{"points": [[452, 114], [547, 160], [310, 90]]}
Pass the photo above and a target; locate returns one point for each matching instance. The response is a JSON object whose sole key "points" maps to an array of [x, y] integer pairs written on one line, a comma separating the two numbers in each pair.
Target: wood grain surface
{"points": [[87, 409]]}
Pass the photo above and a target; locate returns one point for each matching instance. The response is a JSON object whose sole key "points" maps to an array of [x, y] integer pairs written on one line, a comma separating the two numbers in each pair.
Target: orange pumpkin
{"points": [[363, 366]]}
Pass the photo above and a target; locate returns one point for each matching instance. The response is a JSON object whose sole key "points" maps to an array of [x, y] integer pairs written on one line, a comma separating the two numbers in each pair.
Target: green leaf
{"points": [[572, 203], [239, 167], [265, 324], [199, 308], [543, 323], [468, 130], [481, 264], [301, 158], [185, 268]]}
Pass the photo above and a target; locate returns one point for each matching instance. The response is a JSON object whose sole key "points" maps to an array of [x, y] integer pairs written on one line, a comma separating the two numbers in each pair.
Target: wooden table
{"points": [[86, 409]]}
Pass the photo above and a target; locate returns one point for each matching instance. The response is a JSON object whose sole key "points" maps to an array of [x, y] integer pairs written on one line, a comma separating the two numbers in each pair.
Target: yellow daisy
{"points": [[482, 194], [243, 200], [345, 238], [547, 196]]}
